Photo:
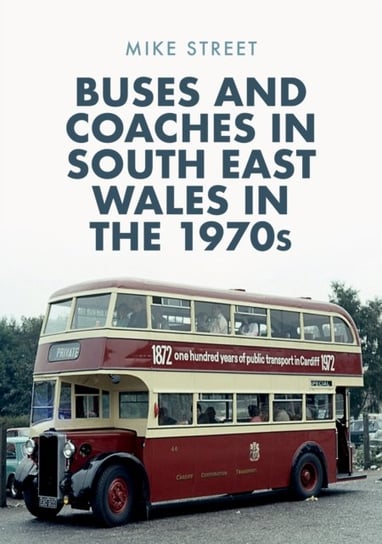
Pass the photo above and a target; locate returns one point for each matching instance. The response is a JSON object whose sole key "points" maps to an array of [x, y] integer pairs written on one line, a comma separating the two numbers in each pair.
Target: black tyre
{"points": [[114, 496], [31, 502], [307, 476]]}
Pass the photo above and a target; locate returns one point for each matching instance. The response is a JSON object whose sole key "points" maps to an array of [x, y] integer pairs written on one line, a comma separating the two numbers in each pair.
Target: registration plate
{"points": [[47, 502]]}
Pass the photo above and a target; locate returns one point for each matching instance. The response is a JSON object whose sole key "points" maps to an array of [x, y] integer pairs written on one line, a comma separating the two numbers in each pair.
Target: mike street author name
{"points": [[201, 48]]}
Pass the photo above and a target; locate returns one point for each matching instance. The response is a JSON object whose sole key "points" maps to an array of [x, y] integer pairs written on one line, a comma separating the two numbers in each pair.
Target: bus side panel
{"points": [[170, 466], [286, 445], [185, 467], [230, 464]]}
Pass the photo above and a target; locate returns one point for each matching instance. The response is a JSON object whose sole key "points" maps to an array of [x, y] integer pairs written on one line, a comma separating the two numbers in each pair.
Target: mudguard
{"points": [[82, 481], [26, 470]]}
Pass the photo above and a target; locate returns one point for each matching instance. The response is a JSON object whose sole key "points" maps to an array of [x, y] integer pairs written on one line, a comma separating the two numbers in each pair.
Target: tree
{"points": [[368, 319], [18, 346]]}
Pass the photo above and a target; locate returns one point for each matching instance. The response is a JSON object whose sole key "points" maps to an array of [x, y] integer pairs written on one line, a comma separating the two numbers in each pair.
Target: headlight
{"points": [[69, 449], [29, 446]]}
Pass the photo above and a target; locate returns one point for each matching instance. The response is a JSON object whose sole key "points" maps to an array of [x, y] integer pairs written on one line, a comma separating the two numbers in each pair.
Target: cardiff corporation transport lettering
{"points": [[166, 355], [181, 477], [214, 474]]}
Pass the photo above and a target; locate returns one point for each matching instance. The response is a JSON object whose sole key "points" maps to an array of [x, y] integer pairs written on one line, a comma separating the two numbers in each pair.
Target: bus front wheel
{"points": [[307, 476], [114, 496]]}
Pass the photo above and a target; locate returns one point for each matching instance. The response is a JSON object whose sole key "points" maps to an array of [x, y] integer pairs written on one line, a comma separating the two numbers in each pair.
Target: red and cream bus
{"points": [[146, 393]]}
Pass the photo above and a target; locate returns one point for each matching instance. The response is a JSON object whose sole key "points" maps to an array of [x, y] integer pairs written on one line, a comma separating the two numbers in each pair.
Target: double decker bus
{"points": [[147, 393]]}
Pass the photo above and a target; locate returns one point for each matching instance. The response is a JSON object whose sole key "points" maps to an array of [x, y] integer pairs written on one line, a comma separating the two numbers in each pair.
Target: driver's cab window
{"points": [[91, 402]]}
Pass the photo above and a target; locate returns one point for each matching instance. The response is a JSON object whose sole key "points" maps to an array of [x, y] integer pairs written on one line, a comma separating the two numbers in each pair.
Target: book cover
{"points": [[228, 145]]}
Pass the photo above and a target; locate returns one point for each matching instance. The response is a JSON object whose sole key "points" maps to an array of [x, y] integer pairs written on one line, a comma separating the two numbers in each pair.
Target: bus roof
{"points": [[237, 295]]}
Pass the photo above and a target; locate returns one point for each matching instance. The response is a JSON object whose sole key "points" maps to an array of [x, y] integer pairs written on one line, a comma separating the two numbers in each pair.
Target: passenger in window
{"points": [[202, 322], [280, 414], [164, 418], [123, 315], [202, 418], [264, 412], [209, 416], [254, 413], [295, 413], [218, 323], [249, 329], [243, 328], [138, 317], [311, 409], [309, 413], [158, 321]]}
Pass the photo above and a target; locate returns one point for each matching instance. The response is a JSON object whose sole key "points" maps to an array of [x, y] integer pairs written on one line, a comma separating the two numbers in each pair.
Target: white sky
{"points": [[334, 217]]}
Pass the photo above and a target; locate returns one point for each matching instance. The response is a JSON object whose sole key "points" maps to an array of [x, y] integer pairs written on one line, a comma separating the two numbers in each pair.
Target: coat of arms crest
{"points": [[254, 451]]}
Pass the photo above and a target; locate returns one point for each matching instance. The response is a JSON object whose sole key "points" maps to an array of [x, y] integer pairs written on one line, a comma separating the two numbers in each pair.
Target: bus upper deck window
{"points": [[212, 317], [171, 314], [58, 316], [342, 331], [130, 311], [285, 324], [91, 311], [316, 327], [250, 321]]}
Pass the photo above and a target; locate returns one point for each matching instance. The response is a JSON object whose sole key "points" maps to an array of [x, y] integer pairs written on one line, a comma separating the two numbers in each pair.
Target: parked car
{"points": [[18, 431], [356, 430], [376, 442], [15, 453]]}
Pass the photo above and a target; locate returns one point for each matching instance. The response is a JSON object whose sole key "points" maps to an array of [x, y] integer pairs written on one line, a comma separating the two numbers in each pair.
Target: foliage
{"points": [[15, 421], [360, 461], [368, 319], [18, 346]]}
